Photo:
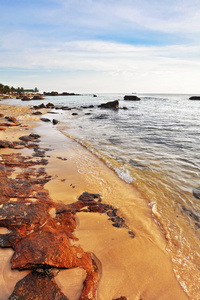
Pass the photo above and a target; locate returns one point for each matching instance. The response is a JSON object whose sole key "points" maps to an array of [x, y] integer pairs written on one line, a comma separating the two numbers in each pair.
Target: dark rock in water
{"points": [[196, 193], [51, 93], [74, 114], [137, 164], [131, 97], [39, 106], [50, 105], [55, 121], [194, 98], [94, 95], [37, 97], [25, 98], [36, 285], [111, 104], [101, 117], [45, 120]]}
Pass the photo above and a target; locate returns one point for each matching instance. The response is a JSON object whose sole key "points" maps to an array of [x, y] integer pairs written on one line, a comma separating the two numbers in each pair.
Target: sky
{"points": [[101, 46]]}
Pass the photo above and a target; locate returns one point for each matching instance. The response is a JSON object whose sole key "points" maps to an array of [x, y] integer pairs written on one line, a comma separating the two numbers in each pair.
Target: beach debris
{"points": [[110, 104], [131, 97]]}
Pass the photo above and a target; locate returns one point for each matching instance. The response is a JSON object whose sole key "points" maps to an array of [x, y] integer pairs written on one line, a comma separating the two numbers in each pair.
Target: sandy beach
{"points": [[132, 261]]}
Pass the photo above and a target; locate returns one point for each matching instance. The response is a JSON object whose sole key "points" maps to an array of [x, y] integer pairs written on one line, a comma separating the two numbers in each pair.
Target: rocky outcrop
{"points": [[37, 97], [61, 94], [111, 104], [131, 97], [194, 98]]}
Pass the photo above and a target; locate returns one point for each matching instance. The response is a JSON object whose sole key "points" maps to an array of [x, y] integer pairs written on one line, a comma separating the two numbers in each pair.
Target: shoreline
{"points": [[135, 268]]}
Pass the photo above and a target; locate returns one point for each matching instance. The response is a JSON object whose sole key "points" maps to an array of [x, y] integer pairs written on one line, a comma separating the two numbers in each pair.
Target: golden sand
{"points": [[137, 268]]}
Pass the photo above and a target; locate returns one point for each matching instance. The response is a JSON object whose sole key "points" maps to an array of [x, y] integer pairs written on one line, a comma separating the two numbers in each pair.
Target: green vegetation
{"points": [[5, 89]]}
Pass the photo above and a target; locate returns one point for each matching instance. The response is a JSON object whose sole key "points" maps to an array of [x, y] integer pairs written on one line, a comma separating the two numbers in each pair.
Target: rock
{"points": [[194, 98], [8, 124], [50, 105], [2, 128], [30, 137], [1, 115], [12, 119], [74, 114], [37, 113], [94, 95], [39, 106], [54, 121], [38, 286], [51, 93], [37, 97], [26, 98], [111, 104], [196, 193], [45, 120], [131, 97]]}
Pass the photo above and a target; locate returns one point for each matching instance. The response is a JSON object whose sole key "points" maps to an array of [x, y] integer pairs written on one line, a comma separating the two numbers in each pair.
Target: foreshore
{"points": [[116, 226]]}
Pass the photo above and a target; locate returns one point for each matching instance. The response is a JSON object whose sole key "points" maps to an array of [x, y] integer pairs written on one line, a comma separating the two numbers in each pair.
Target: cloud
{"points": [[115, 41]]}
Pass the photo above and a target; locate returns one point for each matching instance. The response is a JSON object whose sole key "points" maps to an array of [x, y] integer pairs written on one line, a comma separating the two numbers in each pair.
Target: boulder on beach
{"points": [[194, 98], [45, 120], [54, 121], [131, 97], [111, 104]]}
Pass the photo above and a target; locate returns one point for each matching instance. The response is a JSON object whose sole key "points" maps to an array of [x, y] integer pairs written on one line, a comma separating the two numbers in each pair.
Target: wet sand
{"points": [[136, 268]]}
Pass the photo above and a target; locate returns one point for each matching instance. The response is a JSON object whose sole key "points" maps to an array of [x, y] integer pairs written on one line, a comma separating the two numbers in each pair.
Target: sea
{"points": [[153, 144]]}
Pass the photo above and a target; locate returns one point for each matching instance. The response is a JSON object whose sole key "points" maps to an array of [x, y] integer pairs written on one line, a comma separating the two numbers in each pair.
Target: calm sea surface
{"points": [[154, 145]]}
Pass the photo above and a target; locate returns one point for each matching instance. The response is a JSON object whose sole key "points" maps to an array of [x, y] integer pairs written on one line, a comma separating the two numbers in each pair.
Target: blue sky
{"points": [[92, 46]]}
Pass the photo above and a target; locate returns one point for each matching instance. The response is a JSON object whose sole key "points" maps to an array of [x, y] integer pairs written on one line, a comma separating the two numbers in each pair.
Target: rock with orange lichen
{"points": [[37, 286], [41, 230]]}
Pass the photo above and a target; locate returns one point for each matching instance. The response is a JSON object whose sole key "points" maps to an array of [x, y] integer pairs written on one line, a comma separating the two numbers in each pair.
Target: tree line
{"points": [[5, 89]]}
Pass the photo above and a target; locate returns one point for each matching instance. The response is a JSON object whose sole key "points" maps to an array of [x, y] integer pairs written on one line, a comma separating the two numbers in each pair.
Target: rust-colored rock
{"points": [[38, 286], [41, 230], [12, 119]]}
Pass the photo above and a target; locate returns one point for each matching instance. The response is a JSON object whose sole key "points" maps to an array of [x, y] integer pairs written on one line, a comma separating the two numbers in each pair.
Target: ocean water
{"points": [[154, 145]]}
